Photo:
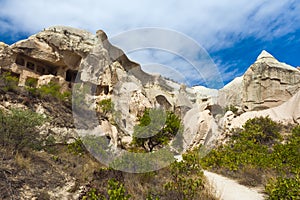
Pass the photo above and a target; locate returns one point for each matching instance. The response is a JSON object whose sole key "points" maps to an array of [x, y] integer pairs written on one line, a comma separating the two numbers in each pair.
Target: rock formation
{"points": [[267, 83], [286, 113], [231, 94], [69, 56]]}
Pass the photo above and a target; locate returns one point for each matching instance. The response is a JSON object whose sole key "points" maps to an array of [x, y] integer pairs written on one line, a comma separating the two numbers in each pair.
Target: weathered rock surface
{"points": [[58, 54], [231, 94], [67, 55], [287, 113], [266, 84], [269, 83]]}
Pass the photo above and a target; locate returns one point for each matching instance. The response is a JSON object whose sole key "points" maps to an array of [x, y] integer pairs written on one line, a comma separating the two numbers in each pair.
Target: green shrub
{"points": [[284, 188], [116, 191], [261, 130], [141, 162], [249, 146], [53, 89], [92, 194], [106, 106], [187, 177], [18, 129], [76, 147], [156, 128], [31, 82], [8, 82]]}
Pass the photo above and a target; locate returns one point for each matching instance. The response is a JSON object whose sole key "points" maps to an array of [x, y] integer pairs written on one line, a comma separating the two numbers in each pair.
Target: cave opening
{"points": [[71, 75]]}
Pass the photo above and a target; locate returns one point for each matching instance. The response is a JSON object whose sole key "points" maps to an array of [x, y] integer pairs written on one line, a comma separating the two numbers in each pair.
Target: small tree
{"points": [[155, 128]]}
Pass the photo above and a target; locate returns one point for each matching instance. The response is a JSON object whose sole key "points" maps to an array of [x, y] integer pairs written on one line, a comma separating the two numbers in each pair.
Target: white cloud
{"points": [[207, 21], [170, 48], [214, 24]]}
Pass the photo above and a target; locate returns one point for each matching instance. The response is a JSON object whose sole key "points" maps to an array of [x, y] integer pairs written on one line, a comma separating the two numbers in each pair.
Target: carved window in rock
{"points": [[41, 70], [20, 61], [99, 89], [52, 70], [30, 65]]}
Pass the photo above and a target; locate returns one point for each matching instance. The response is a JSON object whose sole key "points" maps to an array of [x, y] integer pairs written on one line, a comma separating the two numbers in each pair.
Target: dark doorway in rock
{"points": [[71, 75], [41, 70], [52, 70]]}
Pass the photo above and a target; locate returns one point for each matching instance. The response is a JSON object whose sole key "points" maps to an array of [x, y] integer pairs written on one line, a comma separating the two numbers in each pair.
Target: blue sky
{"points": [[232, 32]]}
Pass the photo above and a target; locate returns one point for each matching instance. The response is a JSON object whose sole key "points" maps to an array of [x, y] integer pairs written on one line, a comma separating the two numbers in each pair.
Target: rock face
{"points": [[267, 83], [287, 113], [71, 57], [230, 94]]}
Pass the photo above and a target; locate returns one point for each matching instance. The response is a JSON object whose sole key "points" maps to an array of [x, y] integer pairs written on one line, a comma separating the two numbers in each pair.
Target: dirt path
{"points": [[228, 189]]}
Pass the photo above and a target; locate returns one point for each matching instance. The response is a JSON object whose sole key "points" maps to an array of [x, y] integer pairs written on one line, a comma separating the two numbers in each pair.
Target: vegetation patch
{"points": [[18, 129], [155, 129], [257, 154], [8, 82]]}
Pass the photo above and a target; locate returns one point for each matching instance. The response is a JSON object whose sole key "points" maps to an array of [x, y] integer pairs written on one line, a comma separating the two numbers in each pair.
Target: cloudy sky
{"points": [[230, 32]]}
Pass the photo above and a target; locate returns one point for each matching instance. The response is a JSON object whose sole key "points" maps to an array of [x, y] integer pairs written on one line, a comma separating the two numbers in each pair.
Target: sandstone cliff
{"points": [[72, 57]]}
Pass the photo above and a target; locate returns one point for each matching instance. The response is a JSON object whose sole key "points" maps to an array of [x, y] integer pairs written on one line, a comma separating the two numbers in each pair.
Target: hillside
{"points": [[78, 119]]}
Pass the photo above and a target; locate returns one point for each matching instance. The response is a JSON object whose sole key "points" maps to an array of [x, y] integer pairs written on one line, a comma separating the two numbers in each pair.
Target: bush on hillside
{"points": [[8, 82], [18, 129]]}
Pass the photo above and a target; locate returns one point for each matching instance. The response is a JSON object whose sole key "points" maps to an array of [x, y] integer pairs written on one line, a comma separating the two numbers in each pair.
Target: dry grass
{"points": [[140, 185], [250, 176], [22, 161]]}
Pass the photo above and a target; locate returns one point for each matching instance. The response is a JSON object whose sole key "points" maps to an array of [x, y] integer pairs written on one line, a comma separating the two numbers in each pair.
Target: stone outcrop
{"points": [[267, 83], [286, 113], [70, 56]]}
